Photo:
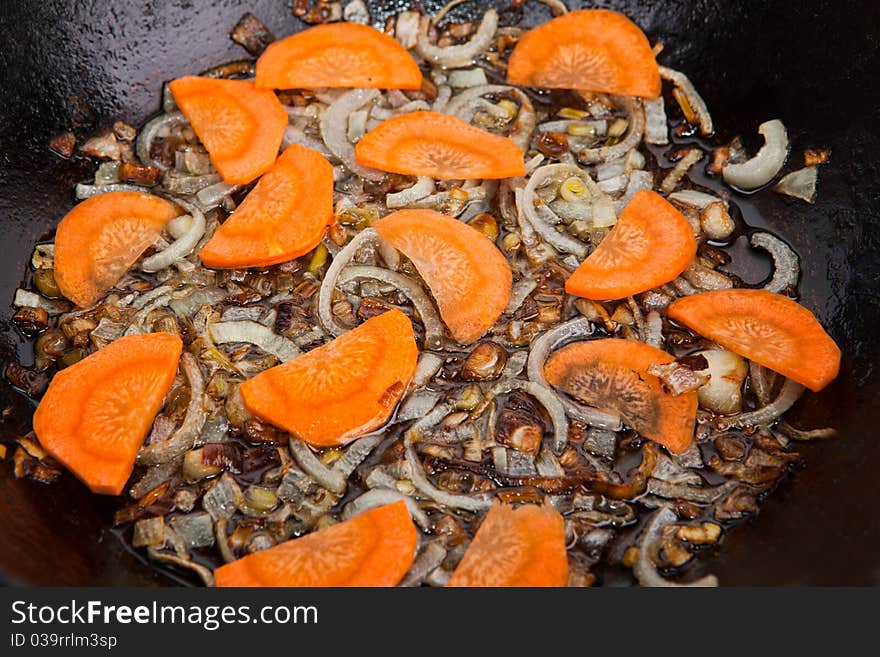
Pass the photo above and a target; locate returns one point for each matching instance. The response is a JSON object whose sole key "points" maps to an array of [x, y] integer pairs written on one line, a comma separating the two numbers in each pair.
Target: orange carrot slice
{"points": [[613, 373], [588, 49], [440, 146], [340, 390], [522, 546], [338, 55], [375, 548], [101, 238], [240, 125], [282, 218], [96, 413], [768, 328], [650, 245], [467, 274]]}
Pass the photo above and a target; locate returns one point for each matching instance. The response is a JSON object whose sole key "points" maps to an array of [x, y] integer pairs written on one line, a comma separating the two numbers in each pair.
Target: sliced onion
{"points": [[326, 477], [536, 250], [380, 497], [698, 494], [631, 141], [790, 392], [166, 557], [430, 558], [679, 171], [548, 399], [465, 105], [150, 131], [654, 329], [575, 329], [764, 166], [648, 544], [656, 128], [681, 81], [422, 188], [406, 28], [334, 129], [185, 437], [256, 334], [799, 184], [461, 55], [183, 244], [296, 135], [706, 278], [638, 180], [328, 285], [786, 265], [83, 191], [427, 366], [356, 453], [420, 300], [478, 502], [444, 93], [694, 199], [465, 78], [212, 196], [521, 290]]}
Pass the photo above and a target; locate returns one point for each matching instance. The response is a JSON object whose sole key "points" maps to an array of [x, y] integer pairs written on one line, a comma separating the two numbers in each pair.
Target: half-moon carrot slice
{"points": [[522, 546], [440, 146], [96, 413], [588, 49], [282, 218], [650, 245], [467, 274], [613, 373], [338, 55], [768, 328], [101, 238], [340, 390], [240, 125], [375, 548]]}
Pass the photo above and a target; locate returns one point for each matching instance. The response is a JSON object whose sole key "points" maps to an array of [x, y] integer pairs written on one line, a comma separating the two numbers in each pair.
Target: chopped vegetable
{"points": [[467, 274], [440, 146], [613, 374], [100, 239], [522, 546], [97, 412], [285, 215], [764, 327], [768, 161], [240, 125], [651, 244], [588, 49], [375, 548], [338, 55], [341, 390]]}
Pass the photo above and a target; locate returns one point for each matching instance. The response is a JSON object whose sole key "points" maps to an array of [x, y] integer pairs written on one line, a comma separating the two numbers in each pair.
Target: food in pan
{"points": [[438, 305]]}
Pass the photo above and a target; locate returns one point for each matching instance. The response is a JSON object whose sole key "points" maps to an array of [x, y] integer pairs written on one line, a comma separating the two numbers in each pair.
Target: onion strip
{"points": [[183, 245], [648, 544], [185, 437], [255, 333], [698, 105], [460, 55], [786, 266], [420, 300]]}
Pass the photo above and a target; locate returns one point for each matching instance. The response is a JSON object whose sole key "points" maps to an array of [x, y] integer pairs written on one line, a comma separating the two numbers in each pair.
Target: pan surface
{"points": [[81, 67]]}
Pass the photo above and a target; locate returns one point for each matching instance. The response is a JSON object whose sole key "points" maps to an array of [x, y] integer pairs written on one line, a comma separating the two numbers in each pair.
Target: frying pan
{"points": [[812, 63]]}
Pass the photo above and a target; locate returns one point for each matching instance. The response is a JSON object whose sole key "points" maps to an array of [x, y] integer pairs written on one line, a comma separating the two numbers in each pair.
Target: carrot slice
{"points": [[613, 373], [588, 49], [440, 146], [101, 238], [96, 413], [340, 390], [467, 274], [338, 55], [240, 125], [375, 548], [282, 218], [650, 245], [768, 328], [522, 546]]}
